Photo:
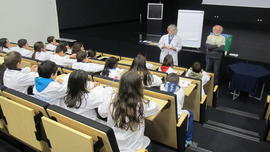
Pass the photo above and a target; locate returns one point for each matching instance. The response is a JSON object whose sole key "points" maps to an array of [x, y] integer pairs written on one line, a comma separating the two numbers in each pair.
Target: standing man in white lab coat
{"points": [[170, 44]]}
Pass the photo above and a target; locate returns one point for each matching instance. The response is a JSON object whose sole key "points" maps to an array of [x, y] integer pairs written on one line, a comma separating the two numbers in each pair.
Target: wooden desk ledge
{"points": [[182, 118], [188, 90], [203, 99], [142, 150], [268, 99], [161, 104], [215, 88]]}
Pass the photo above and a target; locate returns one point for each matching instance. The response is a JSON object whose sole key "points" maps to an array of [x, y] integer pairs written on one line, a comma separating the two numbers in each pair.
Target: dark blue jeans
{"points": [[190, 126]]}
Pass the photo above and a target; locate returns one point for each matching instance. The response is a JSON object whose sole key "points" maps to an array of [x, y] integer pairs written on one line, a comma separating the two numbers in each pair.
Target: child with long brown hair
{"points": [[126, 113], [139, 66]]}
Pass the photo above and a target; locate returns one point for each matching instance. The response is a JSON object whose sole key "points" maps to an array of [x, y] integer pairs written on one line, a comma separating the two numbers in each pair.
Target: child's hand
{"points": [[34, 68], [59, 80]]}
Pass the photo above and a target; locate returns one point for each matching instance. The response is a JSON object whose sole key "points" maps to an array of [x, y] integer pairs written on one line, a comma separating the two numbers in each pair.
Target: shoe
{"points": [[188, 143]]}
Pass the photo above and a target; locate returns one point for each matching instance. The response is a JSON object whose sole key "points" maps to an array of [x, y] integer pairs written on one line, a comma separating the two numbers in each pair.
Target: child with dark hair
{"points": [[126, 113], [40, 53], [167, 65], [47, 87], [69, 51], [110, 69], [15, 77], [197, 72], [4, 45], [83, 63], [139, 66], [172, 85], [60, 57], [52, 44], [23, 48], [83, 96], [76, 47], [91, 54]]}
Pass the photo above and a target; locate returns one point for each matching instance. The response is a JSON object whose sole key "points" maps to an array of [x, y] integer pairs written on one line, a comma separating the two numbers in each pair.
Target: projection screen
{"points": [[33, 20], [239, 3]]}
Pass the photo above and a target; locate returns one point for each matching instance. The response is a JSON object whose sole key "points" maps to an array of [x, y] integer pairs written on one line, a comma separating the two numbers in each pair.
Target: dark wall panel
{"points": [[81, 13]]}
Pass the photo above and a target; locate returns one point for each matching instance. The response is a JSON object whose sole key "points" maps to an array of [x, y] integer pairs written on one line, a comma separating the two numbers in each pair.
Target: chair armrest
{"points": [[215, 88], [268, 99], [203, 99], [142, 150], [182, 118]]}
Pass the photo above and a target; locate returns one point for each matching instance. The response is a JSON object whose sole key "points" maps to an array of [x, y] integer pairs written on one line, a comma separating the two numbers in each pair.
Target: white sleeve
{"points": [[156, 81], [149, 66], [161, 42], [178, 44], [92, 67], [67, 61], [26, 70], [150, 109], [205, 78], [98, 96], [90, 85], [104, 108], [162, 87], [188, 72], [28, 77]]}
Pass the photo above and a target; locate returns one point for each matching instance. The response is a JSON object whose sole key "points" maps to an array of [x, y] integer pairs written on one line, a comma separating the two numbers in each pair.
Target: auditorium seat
{"points": [[102, 136], [22, 116]]}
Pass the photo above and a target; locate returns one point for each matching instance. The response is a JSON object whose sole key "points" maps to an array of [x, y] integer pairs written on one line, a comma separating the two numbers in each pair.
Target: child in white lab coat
{"points": [[110, 69], [82, 63], [126, 113], [47, 87], [4, 45], [23, 48], [197, 72], [84, 96], [167, 65], [52, 44], [14, 76], [172, 86], [139, 66], [40, 53], [60, 57]]}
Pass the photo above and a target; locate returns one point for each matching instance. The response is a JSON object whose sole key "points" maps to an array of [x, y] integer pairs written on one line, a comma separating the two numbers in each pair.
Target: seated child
{"points": [[126, 112], [167, 65], [14, 76], [47, 87], [172, 86], [139, 66], [23, 48], [52, 44], [4, 45], [69, 51], [197, 72], [60, 57], [91, 54], [40, 53], [82, 63], [76, 47], [110, 69], [83, 98]]}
